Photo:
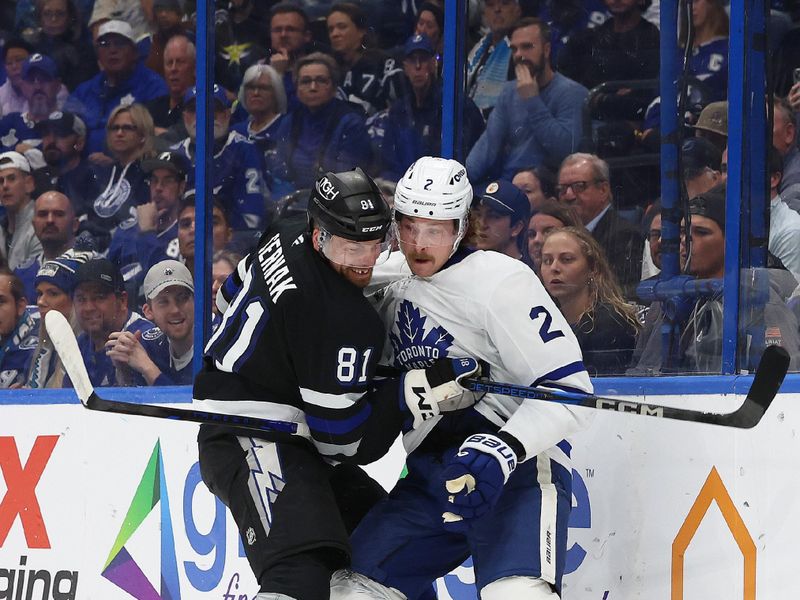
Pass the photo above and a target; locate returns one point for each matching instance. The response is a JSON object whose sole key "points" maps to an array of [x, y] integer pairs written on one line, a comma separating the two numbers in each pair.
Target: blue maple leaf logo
{"points": [[412, 341]]}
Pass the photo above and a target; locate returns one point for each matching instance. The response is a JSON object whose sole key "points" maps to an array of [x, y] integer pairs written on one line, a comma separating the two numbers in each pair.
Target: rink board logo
{"points": [[414, 346], [120, 567]]}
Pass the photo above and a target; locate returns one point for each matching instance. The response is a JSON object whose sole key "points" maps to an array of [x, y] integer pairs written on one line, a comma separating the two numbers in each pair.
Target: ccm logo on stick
{"points": [[630, 407]]}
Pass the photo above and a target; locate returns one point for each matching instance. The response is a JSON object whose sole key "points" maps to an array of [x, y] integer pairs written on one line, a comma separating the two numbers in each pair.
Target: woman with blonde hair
{"points": [[119, 182], [576, 273], [708, 61]]}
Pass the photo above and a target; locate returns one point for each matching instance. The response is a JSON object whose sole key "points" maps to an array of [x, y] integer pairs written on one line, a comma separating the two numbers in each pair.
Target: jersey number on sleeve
{"points": [[351, 363], [545, 332]]}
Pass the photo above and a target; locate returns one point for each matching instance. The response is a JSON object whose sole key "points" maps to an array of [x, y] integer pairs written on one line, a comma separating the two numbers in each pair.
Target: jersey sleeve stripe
{"points": [[326, 400], [561, 372], [284, 417]]}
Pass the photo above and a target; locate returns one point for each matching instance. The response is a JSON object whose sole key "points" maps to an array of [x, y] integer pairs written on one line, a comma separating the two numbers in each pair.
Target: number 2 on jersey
{"points": [[350, 363], [545, 332]]}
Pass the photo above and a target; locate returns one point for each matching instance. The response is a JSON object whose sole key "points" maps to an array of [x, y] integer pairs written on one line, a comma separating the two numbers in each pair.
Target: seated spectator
{"points": [[290, 38], [17, 331], [784, 139], [568, 18], [651, 225], [263, 97], [490, 60], [168, 18], [163, 355], [784, 223], [323, 133], [54, 284], [371, 79], [708, 61], [17, 237], [119, 183], [63, 136], [583, 182], [63, 37], [413, 126], [55, 225], [167, 110], [576, 273], [15, 53], [500, 222], [155, 237], [101, 308], [625, 47], [40, 85], [701, 162], [712, 124], [125, 11], [238, 167], [537, 183], [430, 23], [239, 41], [537, 118], [122, 80], [223, 264], [221, 231], [551, 215]]}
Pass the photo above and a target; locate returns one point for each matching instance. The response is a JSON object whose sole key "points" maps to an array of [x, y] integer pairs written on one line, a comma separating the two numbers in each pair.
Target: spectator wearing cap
{"points": [[15, 53], [17, 331], [40, 86], [701, 162], [63, 36], [712, 124], [322, 133], [501, 217], [221, 232], [180, 56], [122, 80], [101, 308], [63, 136], [17, 237], [537, 118], [161, 356], [155, 238], [120, 184], [54, 284], [238, 167], [490, 60], [784, 139], [134, 14], [55, 225], [584, 183], [168, 19], [413, 126]]}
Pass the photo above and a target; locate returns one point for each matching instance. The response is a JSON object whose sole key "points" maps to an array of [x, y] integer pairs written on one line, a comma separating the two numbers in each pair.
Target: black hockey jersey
{"points": [[298, 345]]}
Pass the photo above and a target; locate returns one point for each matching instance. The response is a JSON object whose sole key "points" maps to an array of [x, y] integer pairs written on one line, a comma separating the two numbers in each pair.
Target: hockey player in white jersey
{"points": [[492, 481]]}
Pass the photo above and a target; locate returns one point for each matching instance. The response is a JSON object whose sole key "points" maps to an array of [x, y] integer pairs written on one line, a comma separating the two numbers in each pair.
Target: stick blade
{"points": [[63, 338], [767, 381]]}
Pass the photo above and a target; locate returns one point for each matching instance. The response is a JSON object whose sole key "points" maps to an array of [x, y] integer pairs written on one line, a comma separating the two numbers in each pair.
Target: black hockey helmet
{"points": [[349, 205]]}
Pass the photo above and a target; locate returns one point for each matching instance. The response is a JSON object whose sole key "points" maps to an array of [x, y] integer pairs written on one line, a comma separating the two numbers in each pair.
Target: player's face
{"points": [[288, 32], [50, 297], [427, 25], [528, 48], [708, 249], [493, 230], [344, 36], [500, 15], [426, 243], [315, 86], [565, 270], [173, 311], [10, 310], [166, 189], [529, 184], [99, 310], [352, 260], [539, 225], [53, 218], [579, 188], [15, 188], [220, 271]]}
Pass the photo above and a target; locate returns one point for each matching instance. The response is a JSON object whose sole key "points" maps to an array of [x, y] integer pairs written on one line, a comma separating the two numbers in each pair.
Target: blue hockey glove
{"points": [[475, 476], [437, 388]]}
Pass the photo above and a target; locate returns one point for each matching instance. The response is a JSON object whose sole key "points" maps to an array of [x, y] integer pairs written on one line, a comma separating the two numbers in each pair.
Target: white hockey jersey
{"points": [[491, 307]]}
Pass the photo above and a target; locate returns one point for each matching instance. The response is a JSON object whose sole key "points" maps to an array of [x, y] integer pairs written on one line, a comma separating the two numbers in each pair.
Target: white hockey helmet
{"points": [[435, 188]]}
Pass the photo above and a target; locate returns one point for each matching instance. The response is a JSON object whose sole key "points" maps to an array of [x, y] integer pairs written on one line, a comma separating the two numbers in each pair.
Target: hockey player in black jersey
{"points": [[298, 345]]}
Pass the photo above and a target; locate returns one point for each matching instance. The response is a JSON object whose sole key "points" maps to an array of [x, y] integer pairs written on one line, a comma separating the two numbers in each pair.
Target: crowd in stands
{"points": [[98, 125]]}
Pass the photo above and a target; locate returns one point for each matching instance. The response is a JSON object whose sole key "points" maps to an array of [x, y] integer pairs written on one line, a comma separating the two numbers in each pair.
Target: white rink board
{"points": [[638, 479]]}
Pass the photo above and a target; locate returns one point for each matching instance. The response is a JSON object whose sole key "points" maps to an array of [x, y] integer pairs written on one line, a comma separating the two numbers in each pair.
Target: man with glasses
{"points": [[290, 38], [123, 79], [537, 118], [584, 183]]}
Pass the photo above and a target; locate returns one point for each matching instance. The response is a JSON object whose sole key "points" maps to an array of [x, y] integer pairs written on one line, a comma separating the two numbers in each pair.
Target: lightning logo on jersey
{"points": [[266, 481], [414, 347]]}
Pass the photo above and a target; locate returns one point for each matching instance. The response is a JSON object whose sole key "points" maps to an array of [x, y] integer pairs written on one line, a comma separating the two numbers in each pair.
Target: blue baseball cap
{"points": [[217, 92], [40, 62], [507, 199], [418, 43]]}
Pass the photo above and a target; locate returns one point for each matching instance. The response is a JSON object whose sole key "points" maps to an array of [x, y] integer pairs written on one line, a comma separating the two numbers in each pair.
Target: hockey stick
{"points": [[63, 338], [767, 380]]}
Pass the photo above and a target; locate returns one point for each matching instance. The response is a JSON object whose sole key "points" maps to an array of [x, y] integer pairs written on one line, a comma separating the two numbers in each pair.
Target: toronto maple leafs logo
{"points": [[414, 347]]}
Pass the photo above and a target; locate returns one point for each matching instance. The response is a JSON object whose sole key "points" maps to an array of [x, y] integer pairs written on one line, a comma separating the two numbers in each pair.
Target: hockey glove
{"points": [[435, 389], [475, 476]]}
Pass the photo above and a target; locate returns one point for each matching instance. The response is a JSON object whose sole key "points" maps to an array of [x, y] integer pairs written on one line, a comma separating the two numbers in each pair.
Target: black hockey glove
{"points": [[437, 388]]}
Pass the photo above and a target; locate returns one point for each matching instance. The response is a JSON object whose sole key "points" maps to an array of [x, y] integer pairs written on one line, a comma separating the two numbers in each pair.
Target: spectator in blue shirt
{"points": [[17, 331]]}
